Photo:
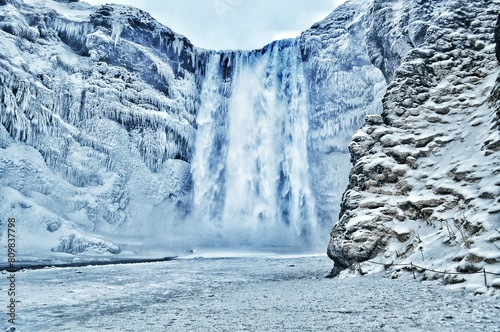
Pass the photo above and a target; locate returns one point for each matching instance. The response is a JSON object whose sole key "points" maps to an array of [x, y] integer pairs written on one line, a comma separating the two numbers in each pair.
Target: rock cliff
{"points": [[425, 183]]}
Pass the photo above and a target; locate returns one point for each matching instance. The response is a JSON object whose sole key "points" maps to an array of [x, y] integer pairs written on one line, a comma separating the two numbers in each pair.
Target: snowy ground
{"points": [[248, 293]]}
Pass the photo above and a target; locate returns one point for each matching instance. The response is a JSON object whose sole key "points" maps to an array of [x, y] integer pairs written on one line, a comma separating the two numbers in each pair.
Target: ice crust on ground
{"points": [[257, 293]]}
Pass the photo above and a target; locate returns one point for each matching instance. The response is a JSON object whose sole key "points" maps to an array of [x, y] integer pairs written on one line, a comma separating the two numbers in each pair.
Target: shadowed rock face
{"points": [[424, 181]]}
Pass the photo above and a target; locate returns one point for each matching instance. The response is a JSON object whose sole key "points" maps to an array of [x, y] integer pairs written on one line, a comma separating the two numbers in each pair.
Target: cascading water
{"points": [[250, 166], [210, 145]]}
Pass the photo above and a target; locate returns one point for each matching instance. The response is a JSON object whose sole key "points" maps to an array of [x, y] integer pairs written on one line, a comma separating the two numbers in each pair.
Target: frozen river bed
{"points": [[252, 293]]}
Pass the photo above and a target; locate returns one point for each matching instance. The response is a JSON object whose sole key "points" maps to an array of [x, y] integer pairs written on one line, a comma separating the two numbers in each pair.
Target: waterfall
{"points": [[208, 167], [250, 165]]}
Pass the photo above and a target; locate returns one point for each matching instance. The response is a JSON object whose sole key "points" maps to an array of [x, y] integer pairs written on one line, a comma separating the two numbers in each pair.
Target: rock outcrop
{"points": [[425, 183]]}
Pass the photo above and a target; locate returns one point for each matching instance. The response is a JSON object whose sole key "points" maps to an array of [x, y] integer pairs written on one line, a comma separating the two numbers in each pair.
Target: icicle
{"points": [[117, 28]]}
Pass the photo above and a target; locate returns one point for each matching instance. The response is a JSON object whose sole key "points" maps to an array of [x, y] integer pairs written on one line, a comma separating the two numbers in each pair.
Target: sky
{"points": [[234, 24]]}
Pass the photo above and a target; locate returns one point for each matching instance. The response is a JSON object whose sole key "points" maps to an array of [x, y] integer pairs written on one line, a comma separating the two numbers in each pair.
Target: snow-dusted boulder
{"points": [[75, 244]]}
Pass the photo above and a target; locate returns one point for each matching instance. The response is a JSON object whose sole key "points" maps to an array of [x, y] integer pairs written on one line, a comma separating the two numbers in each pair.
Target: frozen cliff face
{"points": [[425, 185], [343, 87], [395, 27], [117, 133], [96, 129], [497, 39]]}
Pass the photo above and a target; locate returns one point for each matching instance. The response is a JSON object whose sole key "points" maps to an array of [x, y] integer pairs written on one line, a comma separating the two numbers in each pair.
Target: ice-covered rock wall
{"points": [[96, 128], [343, 87], [425, 185], [117, 131]]}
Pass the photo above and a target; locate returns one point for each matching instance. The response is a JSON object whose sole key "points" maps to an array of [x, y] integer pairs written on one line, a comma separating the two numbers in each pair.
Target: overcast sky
{"points": [[234, 24]]}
